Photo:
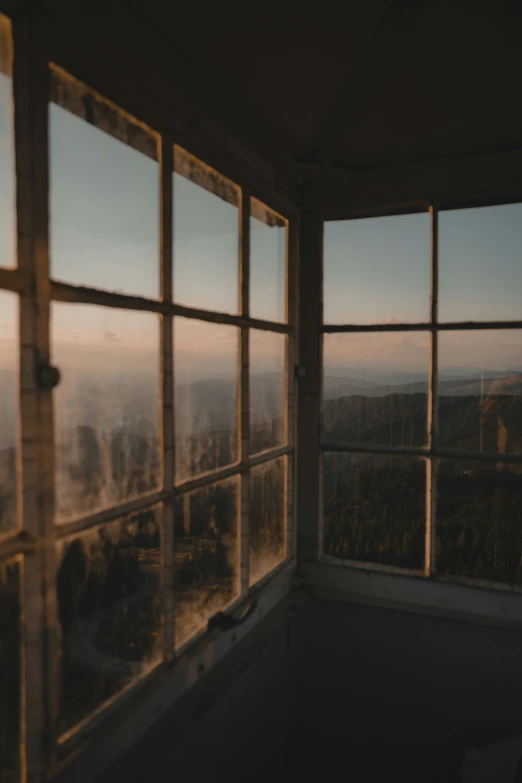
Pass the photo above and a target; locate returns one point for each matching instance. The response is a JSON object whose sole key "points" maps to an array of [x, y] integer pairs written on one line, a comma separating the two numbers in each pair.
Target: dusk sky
{"points": [[104, 203]]}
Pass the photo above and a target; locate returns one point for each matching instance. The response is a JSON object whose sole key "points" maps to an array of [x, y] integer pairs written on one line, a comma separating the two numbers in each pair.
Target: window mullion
{"points": [[431, 478], [167, 402], [244, 394]]}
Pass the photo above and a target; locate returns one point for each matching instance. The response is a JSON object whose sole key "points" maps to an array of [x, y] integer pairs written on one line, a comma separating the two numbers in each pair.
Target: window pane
{"points": [[7, 165], [479, 520], [10, 672], [206, 398], [267, 263], [480, 390], [108, 585], [206, 236], [9, 349], [104, 199], [106, 407], [267, 390], [375, 388], [377, 270], [206, 555], [375, 509], [480, 264], [267, 518]]}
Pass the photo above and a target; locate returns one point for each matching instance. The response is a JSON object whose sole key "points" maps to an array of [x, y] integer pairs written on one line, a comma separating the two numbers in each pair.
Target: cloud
{"points": [[110, 337]]}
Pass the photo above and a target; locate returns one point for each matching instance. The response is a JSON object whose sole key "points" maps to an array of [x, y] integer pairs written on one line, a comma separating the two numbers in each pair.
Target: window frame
{"points": [[34, 539], [432, 453]]}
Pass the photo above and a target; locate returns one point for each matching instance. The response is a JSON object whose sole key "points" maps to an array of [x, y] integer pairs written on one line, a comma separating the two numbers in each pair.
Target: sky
{"points": [[104, 233]]}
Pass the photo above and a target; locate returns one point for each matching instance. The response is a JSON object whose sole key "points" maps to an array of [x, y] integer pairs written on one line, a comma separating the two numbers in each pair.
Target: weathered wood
{"points": [[244, 395], [454, 326], [167, 402], [430, 553], [32, 479], [309, 379]]}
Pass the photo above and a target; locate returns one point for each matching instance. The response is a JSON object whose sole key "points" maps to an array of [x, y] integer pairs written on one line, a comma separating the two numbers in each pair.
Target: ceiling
{"points": [[361, 84]]}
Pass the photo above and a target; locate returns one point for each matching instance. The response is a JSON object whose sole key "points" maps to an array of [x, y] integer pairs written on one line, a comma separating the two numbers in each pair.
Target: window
{"points": [[160, 466], [421, 431]]}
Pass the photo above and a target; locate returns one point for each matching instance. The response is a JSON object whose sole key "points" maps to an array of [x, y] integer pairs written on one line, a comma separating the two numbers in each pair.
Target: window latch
{"points": [[47, 376], [225, 622]]}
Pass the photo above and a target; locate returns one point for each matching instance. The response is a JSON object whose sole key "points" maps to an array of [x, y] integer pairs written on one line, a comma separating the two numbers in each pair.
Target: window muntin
{"points": [[9, 410], [10, 668]]}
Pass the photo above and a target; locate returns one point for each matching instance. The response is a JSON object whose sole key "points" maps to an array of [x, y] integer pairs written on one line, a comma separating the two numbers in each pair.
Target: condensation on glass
{"points": [[9, 409], [377, 270], [104, 193], [267, 518], [206, 236], [268, 254], [375, 388], [480, 269], [206, 555], [267, 390], [109, 604], [106, 407], [7, 159], [10, 671], [206, 396], [480, 390], [479, 520], [374, 509]]}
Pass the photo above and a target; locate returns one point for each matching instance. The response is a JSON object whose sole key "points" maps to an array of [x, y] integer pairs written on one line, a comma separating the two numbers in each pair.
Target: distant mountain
{"points": [[508, 384]]}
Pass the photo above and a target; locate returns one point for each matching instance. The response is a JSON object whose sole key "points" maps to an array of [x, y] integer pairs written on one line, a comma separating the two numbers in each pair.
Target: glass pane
{"points": [[206, 396], [7, 163], [267, 263], [479, 520], [480, 390], [206, 555], [206, 236], [377, 270], [106, 407], [375, 509], [108, 585], [267, 518], [104, 200], [267, 390], [480, 264], [10, 672], [9, 349], [375, 388]]}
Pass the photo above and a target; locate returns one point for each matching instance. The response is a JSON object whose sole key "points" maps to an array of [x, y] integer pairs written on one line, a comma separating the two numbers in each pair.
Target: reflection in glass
{"points": [[206, 555], [10, 672], [9, 342], [104, 197], [206, 236], [267, 390], [479, 520], [108, 585], [480, 274], [375, 509], [206, 396], [7, 163], [377, 270], [480, 390], [375, 388], [267, 518], [106, 407], [267, 263]]}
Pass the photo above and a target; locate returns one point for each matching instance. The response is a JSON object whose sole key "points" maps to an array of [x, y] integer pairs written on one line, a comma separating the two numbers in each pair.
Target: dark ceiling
{"points": [[360, 84]]}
